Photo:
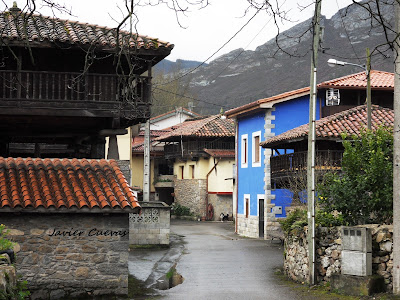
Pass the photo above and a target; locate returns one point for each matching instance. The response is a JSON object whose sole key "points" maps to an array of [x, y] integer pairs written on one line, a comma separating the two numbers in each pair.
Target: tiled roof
{"points": [[222, 153], [40, 28], [62, 185], [349, 121], [277, 98], [379, 80], [138, 141], [212, 126]]}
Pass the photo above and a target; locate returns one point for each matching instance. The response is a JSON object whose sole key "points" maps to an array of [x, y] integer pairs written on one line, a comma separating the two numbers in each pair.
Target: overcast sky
{"points": [[206, 30]]}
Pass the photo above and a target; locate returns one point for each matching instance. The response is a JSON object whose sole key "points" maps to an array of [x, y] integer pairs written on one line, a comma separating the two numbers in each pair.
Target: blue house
{"points": [[258, 202], [254, 196]]}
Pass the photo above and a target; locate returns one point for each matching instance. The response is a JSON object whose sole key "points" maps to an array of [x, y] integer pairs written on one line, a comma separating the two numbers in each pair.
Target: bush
{"points": [[363, 191], [297, 219], [5, 244], [180, 210]]}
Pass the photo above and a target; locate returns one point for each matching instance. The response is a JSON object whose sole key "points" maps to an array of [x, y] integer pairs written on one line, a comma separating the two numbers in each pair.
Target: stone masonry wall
{"points": [[221, 204], [191, 193], [152, 226], [247, 226], [71, 254], [328, 254]]}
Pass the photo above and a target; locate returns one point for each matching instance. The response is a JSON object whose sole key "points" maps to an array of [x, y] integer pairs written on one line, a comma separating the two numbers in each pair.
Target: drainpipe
{"points": [[208, 174]]}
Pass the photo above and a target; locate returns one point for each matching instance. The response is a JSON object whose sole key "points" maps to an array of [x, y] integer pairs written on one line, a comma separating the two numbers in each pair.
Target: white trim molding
{"points": [[256, 161], [244, 149]]}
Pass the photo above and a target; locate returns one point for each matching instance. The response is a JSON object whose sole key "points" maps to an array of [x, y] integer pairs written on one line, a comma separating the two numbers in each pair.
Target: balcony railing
{"points": [[61, 89], [195, 148], [324, 160]]}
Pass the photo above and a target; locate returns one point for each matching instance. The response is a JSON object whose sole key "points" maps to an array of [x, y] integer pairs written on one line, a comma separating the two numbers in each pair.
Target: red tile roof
{"points": [[212, 126], [277, 98], [46, 29], [138, 141], [174, 112], [221, 153], [350, 121], [379, 80], [59, 185]]}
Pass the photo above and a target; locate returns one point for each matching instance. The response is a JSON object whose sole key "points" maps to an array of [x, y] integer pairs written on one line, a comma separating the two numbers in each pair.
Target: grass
{"points": [[304, 291]]}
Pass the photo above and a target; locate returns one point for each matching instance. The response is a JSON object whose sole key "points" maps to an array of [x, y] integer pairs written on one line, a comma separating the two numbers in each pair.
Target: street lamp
{"points": [[333, 62]]}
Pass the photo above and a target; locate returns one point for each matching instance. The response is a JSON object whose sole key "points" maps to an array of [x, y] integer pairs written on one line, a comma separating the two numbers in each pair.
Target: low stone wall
{"points": [[328, 254], [247, 226], [222, 204], [70, 254], [152, 226], [192, 194]]}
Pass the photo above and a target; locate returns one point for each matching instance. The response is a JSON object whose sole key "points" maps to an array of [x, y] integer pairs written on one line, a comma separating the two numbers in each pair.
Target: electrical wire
{"points": [[219, 49], [347, 34]]}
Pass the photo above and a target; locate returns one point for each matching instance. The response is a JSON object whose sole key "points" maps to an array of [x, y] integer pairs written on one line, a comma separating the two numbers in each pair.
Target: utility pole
{"points": [[368, 70], [146, 167], [396, 161], [311, 145]]}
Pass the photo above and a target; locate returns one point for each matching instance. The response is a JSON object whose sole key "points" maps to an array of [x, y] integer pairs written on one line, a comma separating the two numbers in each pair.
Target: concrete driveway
{"points": [[218, 264]]}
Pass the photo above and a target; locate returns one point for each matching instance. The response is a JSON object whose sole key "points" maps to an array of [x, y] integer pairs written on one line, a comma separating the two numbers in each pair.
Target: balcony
{"points": [[325, 160], [195, 149], [73, 94]]}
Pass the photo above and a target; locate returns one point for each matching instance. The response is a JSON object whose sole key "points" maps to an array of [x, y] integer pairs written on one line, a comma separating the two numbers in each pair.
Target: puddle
{"points": [[169, 280]]}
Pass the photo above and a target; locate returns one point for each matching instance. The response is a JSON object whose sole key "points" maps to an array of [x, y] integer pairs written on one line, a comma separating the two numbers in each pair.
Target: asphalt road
{"points": [[218, 264]]}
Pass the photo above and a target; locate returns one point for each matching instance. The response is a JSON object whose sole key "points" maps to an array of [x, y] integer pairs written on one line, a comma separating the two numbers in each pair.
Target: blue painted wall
{"points": [[251, 179], [289, 115]]}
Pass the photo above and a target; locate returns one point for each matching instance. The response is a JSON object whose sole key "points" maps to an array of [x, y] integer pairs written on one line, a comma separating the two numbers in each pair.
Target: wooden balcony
{"points": [[74, 94], [325, 160], [195, 149]]}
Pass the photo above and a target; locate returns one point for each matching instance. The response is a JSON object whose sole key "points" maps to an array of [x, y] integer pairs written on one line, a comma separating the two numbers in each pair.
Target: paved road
{"points": [[217, 264]]}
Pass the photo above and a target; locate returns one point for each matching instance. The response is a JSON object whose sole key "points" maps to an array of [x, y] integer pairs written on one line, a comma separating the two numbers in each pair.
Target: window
{"points": [[192, 171], [246, 204], [256, 149], [244, 150], [181, 170]]}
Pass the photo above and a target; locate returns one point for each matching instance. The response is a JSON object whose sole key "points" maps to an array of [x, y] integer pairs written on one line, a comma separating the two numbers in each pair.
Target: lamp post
{"points": [[333, 62]]}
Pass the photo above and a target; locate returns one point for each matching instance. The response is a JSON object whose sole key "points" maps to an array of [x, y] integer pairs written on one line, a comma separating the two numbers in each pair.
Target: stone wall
{"points": [[192, 194], [71, 254], [222, 204], [248, 226], [328, 254], [152, 226]]}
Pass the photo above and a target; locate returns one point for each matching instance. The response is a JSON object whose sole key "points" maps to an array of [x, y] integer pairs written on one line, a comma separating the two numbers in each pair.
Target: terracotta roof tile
{"points": [[212, 126], [41, 29], [350, 121], [67, 183], [379, 80]]}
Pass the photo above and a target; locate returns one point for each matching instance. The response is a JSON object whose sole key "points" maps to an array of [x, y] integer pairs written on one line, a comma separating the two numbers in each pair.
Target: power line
{"points": [[219, 49], [347, 34], [192, 98]]}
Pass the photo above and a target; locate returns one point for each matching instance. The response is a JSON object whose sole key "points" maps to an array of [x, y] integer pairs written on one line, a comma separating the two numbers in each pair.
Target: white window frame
{"points": [[246, 196], [253, 151], [244, 154]]}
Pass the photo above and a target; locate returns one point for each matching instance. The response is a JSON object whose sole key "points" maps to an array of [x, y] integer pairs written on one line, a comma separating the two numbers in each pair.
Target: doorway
{"points": [[261, 217]]}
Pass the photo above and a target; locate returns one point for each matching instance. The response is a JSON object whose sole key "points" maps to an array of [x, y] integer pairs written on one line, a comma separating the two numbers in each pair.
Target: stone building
{"points": [[202, 153], [70, 220]]}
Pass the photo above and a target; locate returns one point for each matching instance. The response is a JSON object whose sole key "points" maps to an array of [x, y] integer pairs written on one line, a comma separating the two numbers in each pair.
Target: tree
{"points": [[363, 191]]}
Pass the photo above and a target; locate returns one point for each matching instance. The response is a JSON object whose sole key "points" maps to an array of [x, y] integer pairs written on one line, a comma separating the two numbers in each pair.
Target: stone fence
{"points": [[328, 254], [152, 226]]}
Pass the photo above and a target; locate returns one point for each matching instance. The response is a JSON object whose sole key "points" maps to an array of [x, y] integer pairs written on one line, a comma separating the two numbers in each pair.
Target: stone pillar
{"points": [[113, 148]]}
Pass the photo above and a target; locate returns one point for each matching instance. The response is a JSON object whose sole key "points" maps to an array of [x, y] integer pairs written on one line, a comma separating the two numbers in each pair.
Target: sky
{"points": [[203, 30]]}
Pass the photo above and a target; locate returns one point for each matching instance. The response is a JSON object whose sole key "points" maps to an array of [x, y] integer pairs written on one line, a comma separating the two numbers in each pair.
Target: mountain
{"points": [[167, 66], [243, 76]]}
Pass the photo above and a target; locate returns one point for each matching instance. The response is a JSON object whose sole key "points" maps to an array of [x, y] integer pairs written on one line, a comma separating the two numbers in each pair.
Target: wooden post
{"points": [[368, 90], [311, 146]]}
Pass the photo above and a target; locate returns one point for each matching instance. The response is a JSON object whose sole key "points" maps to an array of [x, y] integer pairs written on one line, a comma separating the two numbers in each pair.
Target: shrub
{"points": [[180, 210], [363, 191], [5, 244]]}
